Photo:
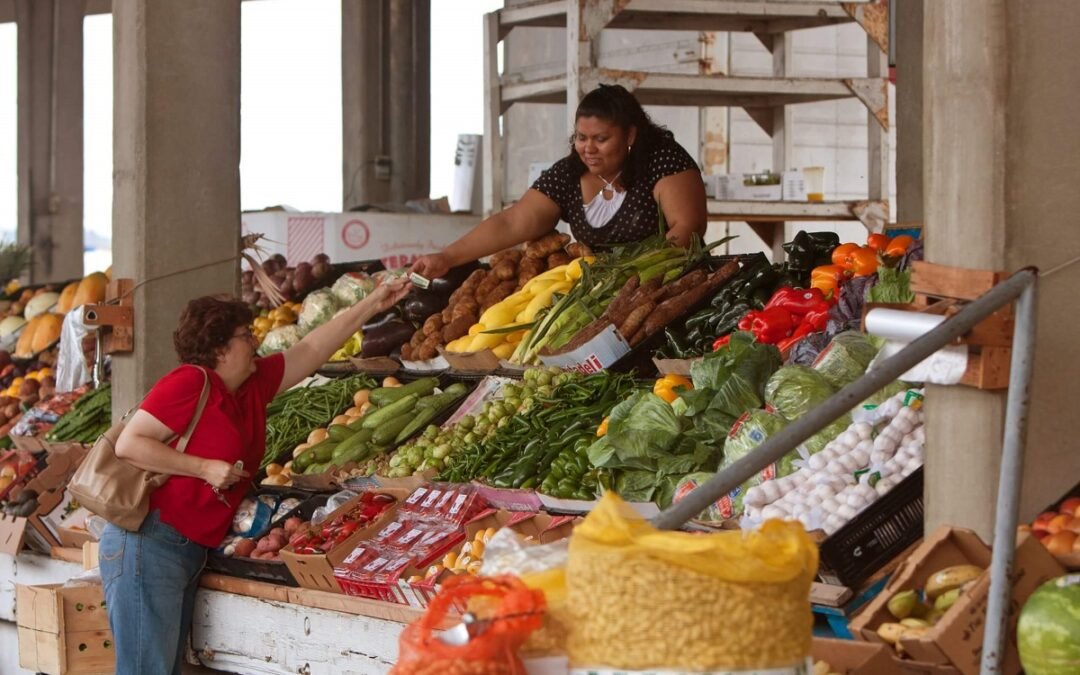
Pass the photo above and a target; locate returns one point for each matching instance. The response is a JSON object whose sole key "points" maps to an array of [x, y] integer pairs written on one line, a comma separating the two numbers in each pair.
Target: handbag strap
{"points": [[203, 396]]}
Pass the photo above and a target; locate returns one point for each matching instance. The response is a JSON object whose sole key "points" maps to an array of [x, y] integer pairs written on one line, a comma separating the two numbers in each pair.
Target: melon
{"points": [[1048, 633], [11, 325], [91, 290], [39, 334], [63, 305], [40, 303]]}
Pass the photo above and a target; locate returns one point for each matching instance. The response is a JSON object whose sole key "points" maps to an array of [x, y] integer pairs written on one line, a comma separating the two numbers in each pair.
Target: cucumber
{"points": [[440, 401], [388, 431], [374, 420], [384, 396], [421, 420], [339, 432], [358, 439]]}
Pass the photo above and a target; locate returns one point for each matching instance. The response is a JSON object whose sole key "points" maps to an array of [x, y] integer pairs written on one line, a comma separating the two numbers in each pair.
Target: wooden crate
{"points": [[64, 630]]}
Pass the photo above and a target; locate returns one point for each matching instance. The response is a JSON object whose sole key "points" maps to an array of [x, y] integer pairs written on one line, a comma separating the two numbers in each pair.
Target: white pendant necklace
{"points": [[608, 191]]}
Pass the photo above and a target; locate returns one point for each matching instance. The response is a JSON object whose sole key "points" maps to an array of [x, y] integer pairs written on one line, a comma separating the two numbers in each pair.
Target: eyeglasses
{"points": [[245, 334]]}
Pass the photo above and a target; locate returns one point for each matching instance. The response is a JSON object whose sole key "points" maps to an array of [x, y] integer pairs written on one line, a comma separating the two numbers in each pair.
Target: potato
{"points": [[361, 397], [353, 412], [391, 382], [341, 419], [278, 480], [316, 436], [244, 548], [273, 469]]}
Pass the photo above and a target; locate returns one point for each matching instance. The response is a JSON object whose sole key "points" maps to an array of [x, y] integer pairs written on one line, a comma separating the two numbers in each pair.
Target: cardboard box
{"points": [[848, 657], [594, 356], [956, 639], [481, 362], [317, 571], [50, 483], [64, 629]]}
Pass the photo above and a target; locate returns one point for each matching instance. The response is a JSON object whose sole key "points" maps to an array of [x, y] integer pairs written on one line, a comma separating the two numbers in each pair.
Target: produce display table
{"points": [[269, 629]]}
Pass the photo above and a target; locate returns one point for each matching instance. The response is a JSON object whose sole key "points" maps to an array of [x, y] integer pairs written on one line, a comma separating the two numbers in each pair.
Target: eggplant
{"points": [[378, 320], [448, 283], [385, 338], [423, 303]]}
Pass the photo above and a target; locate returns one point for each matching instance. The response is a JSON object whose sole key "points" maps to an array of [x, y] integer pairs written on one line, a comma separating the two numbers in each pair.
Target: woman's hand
{"points": [[386, 295], [222, 475], [432, 266]]}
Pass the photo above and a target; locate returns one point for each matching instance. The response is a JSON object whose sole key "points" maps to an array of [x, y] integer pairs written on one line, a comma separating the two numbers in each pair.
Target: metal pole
{"points": [[1012, 473], [843, 401]]}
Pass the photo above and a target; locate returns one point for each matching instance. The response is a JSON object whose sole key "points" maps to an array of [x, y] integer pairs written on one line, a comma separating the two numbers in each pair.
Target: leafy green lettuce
{"points": [[795, 390]]}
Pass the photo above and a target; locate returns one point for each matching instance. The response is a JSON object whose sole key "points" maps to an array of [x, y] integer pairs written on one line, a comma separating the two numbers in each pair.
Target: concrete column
{"points": [[362, 65], [176, 204], [50, 155], [999, 156]]}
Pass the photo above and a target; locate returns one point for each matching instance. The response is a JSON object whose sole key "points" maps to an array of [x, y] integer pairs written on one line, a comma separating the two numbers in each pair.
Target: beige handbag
{"points": [[118, 491]]}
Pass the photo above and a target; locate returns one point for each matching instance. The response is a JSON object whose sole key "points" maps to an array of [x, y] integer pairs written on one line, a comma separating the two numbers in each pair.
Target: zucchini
{"points": [[384, 396], [308, 457], [374, 420], [357, 440], [339, 432], [358, 423], [324, 451], [356, 454], [439, 402], [421, 420], [388, 431]]}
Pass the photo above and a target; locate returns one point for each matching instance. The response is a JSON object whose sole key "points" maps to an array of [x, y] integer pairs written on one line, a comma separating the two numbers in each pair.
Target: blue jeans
{"points": [[150, 579]]}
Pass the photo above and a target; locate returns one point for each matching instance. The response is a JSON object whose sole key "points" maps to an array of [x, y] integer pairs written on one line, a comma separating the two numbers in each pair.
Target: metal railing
{"points": [[1021, 286]]}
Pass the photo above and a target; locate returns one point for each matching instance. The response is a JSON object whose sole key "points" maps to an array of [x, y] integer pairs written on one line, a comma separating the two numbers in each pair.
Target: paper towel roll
{"points": [[895, 324]]}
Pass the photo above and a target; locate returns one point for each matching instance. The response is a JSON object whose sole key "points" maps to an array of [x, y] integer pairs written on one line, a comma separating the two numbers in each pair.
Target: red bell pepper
{"points": [[799, 301], [721, 342], [772, 324]]}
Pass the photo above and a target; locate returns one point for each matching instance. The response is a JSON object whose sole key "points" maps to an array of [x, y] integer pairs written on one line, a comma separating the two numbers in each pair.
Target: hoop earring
{"points": [[629, 148]]}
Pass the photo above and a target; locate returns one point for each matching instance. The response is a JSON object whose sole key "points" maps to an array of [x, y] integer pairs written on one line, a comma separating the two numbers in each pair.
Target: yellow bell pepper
{"points": [[601, 431], [666, 385]]}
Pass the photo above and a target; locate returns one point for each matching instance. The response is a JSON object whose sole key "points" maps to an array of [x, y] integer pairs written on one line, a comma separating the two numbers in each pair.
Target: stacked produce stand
{"points": [[493, 448]]}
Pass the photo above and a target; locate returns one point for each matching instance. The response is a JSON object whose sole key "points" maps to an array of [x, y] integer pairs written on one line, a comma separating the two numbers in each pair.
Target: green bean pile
{"points": [[292, 415]]}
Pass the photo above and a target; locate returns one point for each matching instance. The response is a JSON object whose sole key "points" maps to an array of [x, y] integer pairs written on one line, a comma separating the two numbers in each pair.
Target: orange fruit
{"points": [[1061, 543], [1059, 523]]}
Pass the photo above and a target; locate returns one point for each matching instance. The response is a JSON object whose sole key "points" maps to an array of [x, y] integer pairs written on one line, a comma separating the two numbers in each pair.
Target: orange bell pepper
{"points": [[666, 385], [864, 262], [827, 277], [601, 431], [899, 245], [841, 255], [877, 241]]}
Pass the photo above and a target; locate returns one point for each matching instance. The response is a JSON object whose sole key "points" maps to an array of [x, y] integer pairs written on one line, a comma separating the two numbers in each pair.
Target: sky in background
{"points": [[290, 106]]}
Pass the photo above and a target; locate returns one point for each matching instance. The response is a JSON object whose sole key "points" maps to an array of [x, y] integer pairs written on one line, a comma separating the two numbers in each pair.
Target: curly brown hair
{"points": [[206, 326]]}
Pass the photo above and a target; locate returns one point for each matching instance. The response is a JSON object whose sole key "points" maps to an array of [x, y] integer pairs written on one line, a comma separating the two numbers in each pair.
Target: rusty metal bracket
{"points": [[115, 318], [874, 94], [874, 19]]}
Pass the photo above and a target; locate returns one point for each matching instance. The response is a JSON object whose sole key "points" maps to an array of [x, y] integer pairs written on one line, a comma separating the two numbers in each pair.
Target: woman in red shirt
{"points": [[150, 576]]}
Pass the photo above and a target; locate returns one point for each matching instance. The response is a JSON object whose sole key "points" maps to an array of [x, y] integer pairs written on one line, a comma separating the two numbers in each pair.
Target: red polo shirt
{"points": [[232, 427]]}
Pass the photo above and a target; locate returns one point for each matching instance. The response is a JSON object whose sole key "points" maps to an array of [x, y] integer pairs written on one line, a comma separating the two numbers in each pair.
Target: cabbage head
{"points": [[318, 308], [280, 339], [794, 390], [846, 358]]}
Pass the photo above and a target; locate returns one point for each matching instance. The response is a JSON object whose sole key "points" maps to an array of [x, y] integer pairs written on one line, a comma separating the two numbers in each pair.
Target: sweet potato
{"points": [[620, 306], [485, 287], [529, 268], [512, 254], [428, 350], [680, 286], [447, 315], [433, 325], [457, 328], [468, 307], [505, 270], [558, 258], [674, 307], [417, 339], [474, 279], [578, 250], [498, 294], [546, 245], [635, 320], [407, 352]]}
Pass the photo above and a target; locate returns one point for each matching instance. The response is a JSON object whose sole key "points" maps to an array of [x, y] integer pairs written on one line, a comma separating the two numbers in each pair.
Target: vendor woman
{"points": [[621, 166]]}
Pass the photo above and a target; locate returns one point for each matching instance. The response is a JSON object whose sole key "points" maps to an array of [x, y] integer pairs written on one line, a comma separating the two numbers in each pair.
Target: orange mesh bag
{"points": [[511, 612]]}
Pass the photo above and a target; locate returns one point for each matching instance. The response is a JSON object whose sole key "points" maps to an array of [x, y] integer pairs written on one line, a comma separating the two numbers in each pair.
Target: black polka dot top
{"points": [[637, 218]]}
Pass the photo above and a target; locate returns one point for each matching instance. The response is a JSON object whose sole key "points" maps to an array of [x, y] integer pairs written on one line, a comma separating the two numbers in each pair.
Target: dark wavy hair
{"points": [[206, 326], [613, 103]]}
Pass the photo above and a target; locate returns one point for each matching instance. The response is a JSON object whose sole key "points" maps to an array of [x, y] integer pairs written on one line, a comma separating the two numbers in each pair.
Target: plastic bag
{"points": [[818, 441], [644, 599], [71, 369], [513, 610], [750, 431], [351, 288], [318, 308], [333, 504], [846, 358], [794, 390]]}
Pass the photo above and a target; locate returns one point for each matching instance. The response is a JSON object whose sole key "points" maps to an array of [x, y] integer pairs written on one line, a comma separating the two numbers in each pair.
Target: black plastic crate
{"points": [[875, 536], [273, 571]]}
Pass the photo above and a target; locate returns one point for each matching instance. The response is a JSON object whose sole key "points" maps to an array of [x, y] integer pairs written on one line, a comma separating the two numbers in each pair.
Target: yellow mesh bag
{"points": [[641, 598]]}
